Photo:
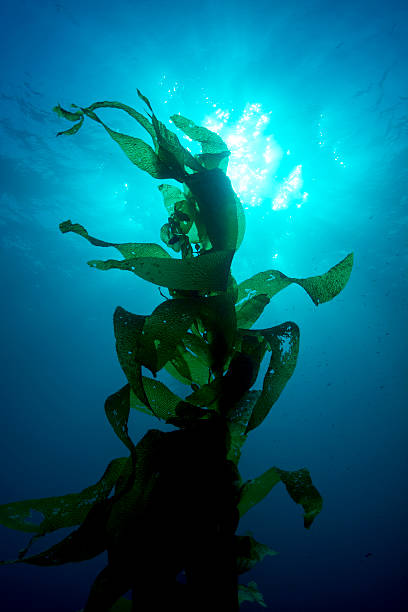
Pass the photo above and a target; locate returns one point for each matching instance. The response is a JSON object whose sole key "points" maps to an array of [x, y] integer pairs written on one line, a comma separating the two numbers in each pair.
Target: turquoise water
{"points": [[312, 99]]}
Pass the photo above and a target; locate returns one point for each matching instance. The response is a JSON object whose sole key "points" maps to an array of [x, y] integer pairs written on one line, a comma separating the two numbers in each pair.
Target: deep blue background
{"points": [[343, 414]]}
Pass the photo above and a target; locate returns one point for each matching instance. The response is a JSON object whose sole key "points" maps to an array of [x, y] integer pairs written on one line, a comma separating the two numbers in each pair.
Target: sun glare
{"points": [[255, 157]]}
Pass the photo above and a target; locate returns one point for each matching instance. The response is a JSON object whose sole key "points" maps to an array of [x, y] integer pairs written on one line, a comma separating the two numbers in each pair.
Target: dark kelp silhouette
{"points": [[167, 513]]}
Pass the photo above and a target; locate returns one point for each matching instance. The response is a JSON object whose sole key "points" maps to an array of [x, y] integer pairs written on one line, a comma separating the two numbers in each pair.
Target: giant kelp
{"points": [[172, 506]]}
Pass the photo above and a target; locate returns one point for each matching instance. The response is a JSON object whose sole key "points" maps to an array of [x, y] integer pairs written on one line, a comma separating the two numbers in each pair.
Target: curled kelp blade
{"points": [[171, 152], [250, 592], [207, 273], [301, 489], [298, 484], [79, 114], [117, 408], [128, 329], [129, 250], [162, 403], [168, 158], [237, 424], [60, 511], [254, 293], [151, 341], [211, 142], [251, 309], [174, 198], [187, 368], [282, 341], [84, 543], [250, 552], [137, 150]]}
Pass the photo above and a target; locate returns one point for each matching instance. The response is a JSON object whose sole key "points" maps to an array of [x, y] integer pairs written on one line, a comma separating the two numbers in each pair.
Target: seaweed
{"points": [[167, 513]]}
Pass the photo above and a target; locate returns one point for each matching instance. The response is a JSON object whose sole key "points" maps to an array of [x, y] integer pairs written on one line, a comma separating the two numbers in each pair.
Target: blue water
{"points": [[331, 80]]}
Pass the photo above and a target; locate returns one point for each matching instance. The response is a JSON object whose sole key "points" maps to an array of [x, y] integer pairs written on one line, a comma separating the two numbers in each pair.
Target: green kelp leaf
{"points": [[207, 272], [130, 505], [237, 424], [298, 484], [168, 146], [242, 370], [253, 345], [217, 204], [71, 131], [284, 344], [137, 151], [136, 404], [141, 119], [179, 368], [191, 361], [250, 310], [171, 152], [149, 341], [169, 323], [197, 347], [268, 283], [86, 542], [187, 415], [250, 593], [187, 369], [169, 155], [182, 213], [163, 401], [326, 286], [320, 288], [152, 340], [128, 330], [230, 389], [174, 199], [193, 357], [250, 552], [145, 99], [62, 511], [207, 394], [69, 115], [129, 250], [210, 141], [117, 408], [255, 490], [142, 155], [214, 160], [165, 328], [301, 489], [108, 589]]}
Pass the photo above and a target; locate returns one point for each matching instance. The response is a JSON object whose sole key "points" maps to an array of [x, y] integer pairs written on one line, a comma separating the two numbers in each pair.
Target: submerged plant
{"points": [[167, 513]]}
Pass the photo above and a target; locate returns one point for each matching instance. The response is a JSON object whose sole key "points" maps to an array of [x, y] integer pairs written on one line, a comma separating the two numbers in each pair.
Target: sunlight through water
{"points": [[255, 158]]}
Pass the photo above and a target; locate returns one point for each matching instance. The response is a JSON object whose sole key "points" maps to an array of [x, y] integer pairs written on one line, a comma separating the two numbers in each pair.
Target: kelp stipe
{"points": [[171, 507]]}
